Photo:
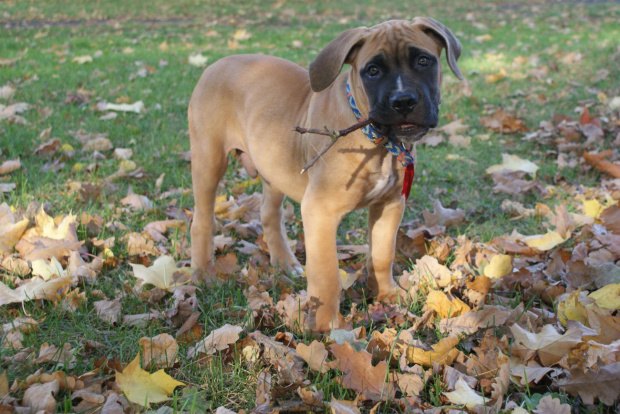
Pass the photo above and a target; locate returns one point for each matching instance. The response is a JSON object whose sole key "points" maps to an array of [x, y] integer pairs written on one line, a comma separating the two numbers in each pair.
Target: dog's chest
{"points": [[381, 181]]}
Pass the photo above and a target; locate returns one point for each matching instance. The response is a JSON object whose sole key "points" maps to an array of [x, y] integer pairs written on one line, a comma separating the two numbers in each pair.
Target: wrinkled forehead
{"points": [[393, 39]]}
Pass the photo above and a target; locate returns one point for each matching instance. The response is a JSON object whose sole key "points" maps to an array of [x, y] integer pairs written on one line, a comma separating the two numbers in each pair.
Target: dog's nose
{"points": [[403, 102]]}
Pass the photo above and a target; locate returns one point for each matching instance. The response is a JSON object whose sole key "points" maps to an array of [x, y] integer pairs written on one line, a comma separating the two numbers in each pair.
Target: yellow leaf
{"points": [[607, 297], [496, 76], [571, 309], [164, 273], [500, 266], [592, 208], [143, 388], [544, 242], [443, 352], [444, 306]]}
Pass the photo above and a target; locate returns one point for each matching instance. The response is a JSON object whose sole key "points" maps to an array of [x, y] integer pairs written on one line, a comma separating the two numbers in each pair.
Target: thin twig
{"points": [[333, 134]]}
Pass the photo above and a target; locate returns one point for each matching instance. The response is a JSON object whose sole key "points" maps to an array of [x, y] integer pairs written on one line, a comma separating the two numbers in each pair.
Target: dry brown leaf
{"points": [[548, 344], [599, 162], [10, 166], [343, 407], [138, 244], [11, 230], [137, 202], [443, 216], [502, 122], [360, 375], [257, 300], [41, 397], [35, 288], [159, 351], [108, 310], [315, 355], [592, 385], [217, 340], [470, 322], [550, 405]]}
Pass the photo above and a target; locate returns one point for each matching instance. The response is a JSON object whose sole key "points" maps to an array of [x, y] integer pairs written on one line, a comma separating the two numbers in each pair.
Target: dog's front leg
{"points": [[383, 222], [320, 228]]}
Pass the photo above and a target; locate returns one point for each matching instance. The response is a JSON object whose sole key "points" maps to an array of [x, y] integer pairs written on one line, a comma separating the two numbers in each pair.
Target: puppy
{"points": [[250, 103]]}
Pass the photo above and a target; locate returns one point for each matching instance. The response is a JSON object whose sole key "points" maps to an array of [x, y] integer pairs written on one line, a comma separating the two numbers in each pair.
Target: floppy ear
{"points": [[450, 42], [325, 68]]}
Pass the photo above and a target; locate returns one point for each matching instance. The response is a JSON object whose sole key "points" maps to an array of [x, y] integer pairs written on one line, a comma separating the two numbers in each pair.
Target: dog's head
{"points": [[395, 66]]}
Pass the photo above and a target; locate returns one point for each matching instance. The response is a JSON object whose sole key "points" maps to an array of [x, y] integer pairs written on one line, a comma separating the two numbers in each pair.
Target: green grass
{"points": [[47, 35]]}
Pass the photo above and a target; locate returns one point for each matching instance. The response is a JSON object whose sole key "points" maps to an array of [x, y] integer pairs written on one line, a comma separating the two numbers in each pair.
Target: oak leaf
{"points": [[550, 405], [591, 384], [360, 375], [143, 388]]}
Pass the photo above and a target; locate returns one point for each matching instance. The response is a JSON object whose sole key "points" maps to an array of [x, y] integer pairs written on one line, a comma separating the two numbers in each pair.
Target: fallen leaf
{"points": [[40, 397], [108, 310], [514, 163], [315, 355], [607, 297], [80, 60], [197, 59], [163, 274], [137, 202], [136, 107], [502, 122], [443, 352], [550, 405], [360, 375], [159, 351], [464, 395], [443, 216], [599, 162], [143, 388], [35, 288], [470, 322], [10, 166], [444, 306], [343, 407], [500, 266], [217, 340], [548, 344], [592, 385], [11, 230]]}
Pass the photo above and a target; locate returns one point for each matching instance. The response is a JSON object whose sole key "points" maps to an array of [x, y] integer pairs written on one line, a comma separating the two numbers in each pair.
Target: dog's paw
{"points": [[394, 295]]}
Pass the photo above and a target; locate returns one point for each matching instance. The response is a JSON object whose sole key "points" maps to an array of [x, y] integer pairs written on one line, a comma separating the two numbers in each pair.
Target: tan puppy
{"points": [[250, 103]]}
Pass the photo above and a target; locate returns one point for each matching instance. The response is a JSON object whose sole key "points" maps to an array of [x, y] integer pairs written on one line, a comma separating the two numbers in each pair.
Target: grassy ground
{"points": [[159, 36]]}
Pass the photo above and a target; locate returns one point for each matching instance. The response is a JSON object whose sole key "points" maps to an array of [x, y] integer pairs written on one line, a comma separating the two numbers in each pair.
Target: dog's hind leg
{"points": [[209, 162], [274, 231]]}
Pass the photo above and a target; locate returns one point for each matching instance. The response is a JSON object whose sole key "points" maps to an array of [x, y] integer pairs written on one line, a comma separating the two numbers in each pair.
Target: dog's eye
{"points": [[423, 61], [372, 70]]}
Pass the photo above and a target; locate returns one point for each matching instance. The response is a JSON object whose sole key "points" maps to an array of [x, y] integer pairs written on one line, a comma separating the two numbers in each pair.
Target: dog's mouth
{"points": [[402, 132]]}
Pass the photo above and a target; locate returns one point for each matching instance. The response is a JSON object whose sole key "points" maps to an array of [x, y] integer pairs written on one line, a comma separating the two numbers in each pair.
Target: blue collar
{"points": [[397, 149]]}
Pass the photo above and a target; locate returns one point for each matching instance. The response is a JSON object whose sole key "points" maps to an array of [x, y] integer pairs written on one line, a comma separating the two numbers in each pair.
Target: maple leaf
{"points": [[163, 274], [548, 344], [443, 216], [591, 384], [143, 388], [10, 229], [464, 395], [35, 288], [444, 306], [361, 375], [197, 59], [343, 406], [41, 397], [470, 322], [514, 163], [443, 352], [315, 355], [159, 351], [218, 340], [607, 297]]}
